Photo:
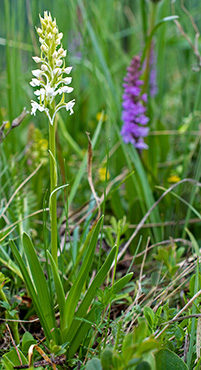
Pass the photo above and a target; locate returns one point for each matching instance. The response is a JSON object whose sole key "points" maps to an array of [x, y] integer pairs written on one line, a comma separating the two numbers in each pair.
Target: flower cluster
{"points": [[133, 130], [50, 78]]}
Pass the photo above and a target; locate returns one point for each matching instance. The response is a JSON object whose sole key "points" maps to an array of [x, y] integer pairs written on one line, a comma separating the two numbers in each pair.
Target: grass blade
{"points": [[83, 165]]}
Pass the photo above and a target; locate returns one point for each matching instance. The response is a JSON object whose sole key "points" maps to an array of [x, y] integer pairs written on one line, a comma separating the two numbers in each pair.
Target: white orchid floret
{"points": [[44, 68], [67, 70], [35, 106], [59, 63], [35, 82], [70, 105], [67, 80], [60, 36], [37, 73], [44, 48], [65, 90], [40, 93], [57, 71], [39, 31], [62, 53], [50, 91], [36, 59]]}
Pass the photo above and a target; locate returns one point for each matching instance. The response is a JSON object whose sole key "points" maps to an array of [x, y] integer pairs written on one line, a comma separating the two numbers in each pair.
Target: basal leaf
{"points": [[40, 283], [31, 288], [60, 294], [75, 291], [91, 292]]}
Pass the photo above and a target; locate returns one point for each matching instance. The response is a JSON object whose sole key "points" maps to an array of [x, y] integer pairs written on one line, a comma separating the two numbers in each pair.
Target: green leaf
{"points": [[94, 364], [27, 341], [11, 359], [147, 346], [140, 332], [149, 316], [86, 324], [120, 284], [194, 242], [192, 284], [7, 261], [67, 137], [168, 360], [91, 293], [40, 283], [60, 294], [106, 359], [144, 365], [30, 287], [76, 289]]}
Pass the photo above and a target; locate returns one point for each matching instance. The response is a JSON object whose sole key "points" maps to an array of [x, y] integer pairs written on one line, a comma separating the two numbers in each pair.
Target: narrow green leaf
{"points": [[60, 294], [149, 39], [99, 51], [194, 242], [83, 329], [7, 261], [89, 296], [182, 200], [40, 283], [75, 291], [120, 284], [31, 288], [68, 137], [146, 190]]}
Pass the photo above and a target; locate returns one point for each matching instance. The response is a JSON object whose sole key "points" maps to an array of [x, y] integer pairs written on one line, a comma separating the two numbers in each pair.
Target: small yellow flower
{"points": [[7, 125], [100, 115], [102, 174], [173, 179], [43, 143]]}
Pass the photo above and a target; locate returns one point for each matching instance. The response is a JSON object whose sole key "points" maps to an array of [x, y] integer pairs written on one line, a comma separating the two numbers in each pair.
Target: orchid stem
{"points": [[147, 67], [53, 185]]}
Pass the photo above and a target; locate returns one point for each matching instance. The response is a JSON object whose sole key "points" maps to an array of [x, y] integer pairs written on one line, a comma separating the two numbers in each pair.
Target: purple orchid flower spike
{"points": [[134, 107]]}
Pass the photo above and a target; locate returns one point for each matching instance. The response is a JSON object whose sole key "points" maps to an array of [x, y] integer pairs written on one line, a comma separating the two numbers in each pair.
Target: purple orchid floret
{"points": [[133, 115]]}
